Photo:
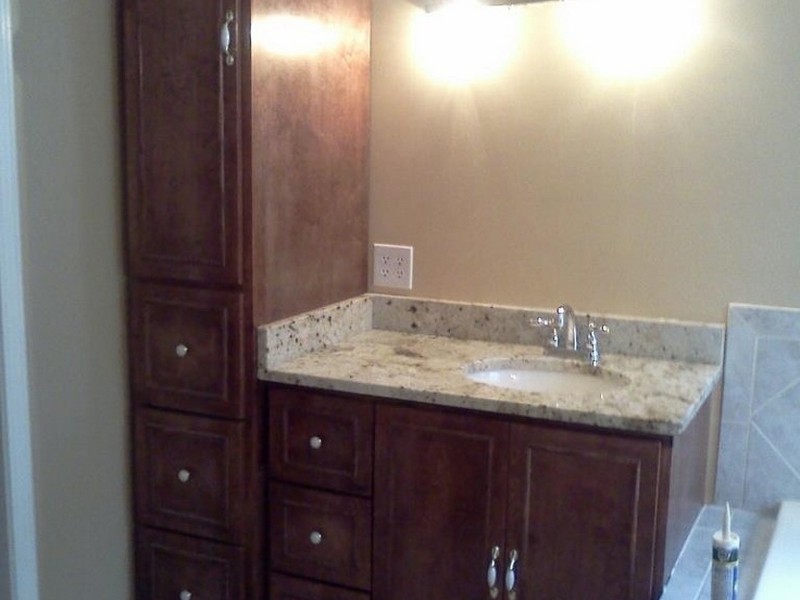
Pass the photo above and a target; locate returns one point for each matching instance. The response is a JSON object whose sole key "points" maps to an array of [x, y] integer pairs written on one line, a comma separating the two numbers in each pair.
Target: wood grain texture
{"points": [[209, 378], [583, 513], [210, 502], [290, 588], [168, 564], [440, 502], [344, 426], [182, 115], [344, 553], [310, 132]]}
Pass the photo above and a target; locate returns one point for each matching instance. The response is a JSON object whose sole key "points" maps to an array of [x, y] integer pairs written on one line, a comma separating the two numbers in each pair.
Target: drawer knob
{"points": [[183, 476], [181, 350], [315, 442], [315, 538], [185, 595]]}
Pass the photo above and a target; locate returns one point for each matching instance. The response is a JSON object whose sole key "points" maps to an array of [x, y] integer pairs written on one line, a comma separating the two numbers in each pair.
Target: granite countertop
{"points": [[346, 348]]}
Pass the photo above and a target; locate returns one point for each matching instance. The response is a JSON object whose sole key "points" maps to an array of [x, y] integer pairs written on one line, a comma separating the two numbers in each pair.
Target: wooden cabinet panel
{"points": [[187, 348], [321, 535], [440, 501], [190, 474], [582, 514], [172, 567], [311, 134], [321, 440], [282, 587], [183, 141]]}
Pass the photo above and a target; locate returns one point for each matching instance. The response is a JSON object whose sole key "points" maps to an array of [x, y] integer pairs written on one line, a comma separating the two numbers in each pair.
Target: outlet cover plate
{"points": [[392, 266]]}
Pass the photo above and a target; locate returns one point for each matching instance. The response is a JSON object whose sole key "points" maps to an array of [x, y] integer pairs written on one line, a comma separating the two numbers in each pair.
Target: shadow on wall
{"points": [[759, 455]]}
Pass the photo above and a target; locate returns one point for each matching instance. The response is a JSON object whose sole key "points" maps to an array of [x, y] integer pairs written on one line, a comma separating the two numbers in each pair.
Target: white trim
{"points": [[15, 435]]}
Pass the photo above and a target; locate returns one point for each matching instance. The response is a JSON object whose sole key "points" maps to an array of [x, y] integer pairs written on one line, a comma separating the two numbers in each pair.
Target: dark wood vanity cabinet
{"points": [[245, 197], [320, 492], [571, 513], [455, 493]]}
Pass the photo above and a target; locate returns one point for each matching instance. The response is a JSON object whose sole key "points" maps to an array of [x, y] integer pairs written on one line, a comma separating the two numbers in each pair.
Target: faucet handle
{"points": [[592, 343], [551, 323]]}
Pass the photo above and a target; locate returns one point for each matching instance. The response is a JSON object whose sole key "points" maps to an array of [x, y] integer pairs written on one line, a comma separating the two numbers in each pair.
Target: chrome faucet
{"points": [[564, 330], [564, 339]]}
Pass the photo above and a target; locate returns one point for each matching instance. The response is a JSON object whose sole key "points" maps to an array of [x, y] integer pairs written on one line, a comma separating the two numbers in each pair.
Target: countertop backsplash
{"points": [[662, 339]]}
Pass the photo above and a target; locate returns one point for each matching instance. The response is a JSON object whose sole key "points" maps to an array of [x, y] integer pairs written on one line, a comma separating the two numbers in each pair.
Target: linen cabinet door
{"points": [[183, 135], [439, 503], [582, 514]]}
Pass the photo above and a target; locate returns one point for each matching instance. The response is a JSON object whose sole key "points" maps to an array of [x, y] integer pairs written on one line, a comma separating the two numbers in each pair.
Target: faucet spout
{"points": [[566, 328]]}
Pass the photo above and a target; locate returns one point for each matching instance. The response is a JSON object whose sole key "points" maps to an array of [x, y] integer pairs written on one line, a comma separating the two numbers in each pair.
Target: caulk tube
{"points": [[725, 561]]}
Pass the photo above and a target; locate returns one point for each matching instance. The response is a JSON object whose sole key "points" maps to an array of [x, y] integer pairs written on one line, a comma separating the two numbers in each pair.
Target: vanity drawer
{"points": [[282, 587], [321, 440], [190, 476], [188, 348], [173, 567], [321, 535]]}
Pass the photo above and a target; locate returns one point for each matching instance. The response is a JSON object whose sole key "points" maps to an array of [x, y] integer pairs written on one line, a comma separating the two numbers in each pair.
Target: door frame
{"points": [[18, 549]]}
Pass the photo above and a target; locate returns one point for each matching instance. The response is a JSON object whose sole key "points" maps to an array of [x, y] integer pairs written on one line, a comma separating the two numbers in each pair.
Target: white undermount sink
{"points": [[545, 375]]}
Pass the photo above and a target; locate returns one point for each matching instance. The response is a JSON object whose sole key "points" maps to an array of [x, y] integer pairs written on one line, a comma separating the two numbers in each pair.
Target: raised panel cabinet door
{"points": [[182, 107], [321, 440], [582, 514], [439, 502], [176, 567], [187, 348], [190, 474]]}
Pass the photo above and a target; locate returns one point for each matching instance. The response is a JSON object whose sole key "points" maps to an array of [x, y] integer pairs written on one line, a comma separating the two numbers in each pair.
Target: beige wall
{"points": [[64, 61], [668, 198]]}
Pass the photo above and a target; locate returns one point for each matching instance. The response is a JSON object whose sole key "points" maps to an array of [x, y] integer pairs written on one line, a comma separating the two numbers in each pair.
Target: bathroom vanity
{"points": [[394, 475]]}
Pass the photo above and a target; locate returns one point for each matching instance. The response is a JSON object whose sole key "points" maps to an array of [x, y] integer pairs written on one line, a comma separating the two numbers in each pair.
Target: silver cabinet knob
{"points": [[315, 538], [181, 350], [183, 476], [315, 442], [185, 595]]}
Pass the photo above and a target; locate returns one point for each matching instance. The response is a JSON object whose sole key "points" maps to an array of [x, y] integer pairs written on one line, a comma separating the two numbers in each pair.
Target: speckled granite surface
{"points": [[417, 350]]}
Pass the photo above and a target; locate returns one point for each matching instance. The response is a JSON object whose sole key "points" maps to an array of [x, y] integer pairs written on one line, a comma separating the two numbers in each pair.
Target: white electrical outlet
{"points": [[392, 266]]}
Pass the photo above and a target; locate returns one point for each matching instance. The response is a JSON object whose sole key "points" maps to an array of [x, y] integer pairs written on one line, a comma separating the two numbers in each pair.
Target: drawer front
{"points": [[190, 476], [321, 535], [321, 440], [175, 567], [282, 587], [186, 348]]}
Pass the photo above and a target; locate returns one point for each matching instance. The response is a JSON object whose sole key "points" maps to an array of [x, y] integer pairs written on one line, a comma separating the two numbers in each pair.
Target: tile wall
{"points": [[759, 457]]}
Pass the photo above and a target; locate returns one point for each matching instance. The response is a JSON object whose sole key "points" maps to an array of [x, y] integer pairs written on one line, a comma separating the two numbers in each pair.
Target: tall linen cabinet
{"points": [[246, 202]]}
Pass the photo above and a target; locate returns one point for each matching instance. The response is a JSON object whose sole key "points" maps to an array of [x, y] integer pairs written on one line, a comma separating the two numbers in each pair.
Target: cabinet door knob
{"points": [[185, 595], [491, 573], [225, 38], [184, 475], [315, 442], [511, 576], [181, 350], [315, 538]]}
